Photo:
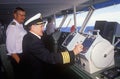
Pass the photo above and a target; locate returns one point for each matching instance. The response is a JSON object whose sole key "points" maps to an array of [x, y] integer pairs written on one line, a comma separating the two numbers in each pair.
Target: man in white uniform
{"points": [[15, 33]]}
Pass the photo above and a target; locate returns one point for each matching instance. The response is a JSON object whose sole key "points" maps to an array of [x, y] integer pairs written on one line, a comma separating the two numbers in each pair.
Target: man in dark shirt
{"points": [[35, 55]]}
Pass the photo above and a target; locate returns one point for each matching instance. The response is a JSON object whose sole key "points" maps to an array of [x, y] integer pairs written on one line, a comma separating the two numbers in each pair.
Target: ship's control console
{"points": [[112, 73], [97, 54]]}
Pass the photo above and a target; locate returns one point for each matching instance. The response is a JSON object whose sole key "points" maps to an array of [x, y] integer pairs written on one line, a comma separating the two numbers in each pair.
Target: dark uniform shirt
{"points": [[35, 55]]}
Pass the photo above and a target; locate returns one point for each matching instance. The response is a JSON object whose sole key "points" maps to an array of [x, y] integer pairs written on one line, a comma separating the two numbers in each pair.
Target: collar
{"points": [[16, 22], [35, 35]]}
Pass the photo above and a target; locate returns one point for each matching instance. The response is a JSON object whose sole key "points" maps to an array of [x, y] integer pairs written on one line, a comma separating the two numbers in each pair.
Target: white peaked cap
{"points": [[37, 16]]}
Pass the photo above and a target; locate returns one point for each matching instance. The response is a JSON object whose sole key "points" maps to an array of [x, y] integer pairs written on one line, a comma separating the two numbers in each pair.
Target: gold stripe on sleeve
{"points": [[66, 57]]}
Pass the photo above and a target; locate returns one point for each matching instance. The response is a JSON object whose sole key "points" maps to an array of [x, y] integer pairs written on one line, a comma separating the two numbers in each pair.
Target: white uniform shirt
{"points": [[50, 28], [15, 33]]}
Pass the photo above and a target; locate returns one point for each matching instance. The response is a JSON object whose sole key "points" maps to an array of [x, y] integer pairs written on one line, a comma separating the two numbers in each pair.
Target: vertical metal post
{"points": [[54, 19], [75, 16], [91, 10], [63, 20]]}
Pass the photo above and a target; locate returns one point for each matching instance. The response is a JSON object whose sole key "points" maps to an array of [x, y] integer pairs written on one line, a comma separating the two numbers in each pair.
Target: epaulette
{"points": [[66, 57], [13, 23]]}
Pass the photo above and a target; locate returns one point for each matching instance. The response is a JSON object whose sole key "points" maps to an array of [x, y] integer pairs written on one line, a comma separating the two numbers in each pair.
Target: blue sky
{"points": [[111, 13]]}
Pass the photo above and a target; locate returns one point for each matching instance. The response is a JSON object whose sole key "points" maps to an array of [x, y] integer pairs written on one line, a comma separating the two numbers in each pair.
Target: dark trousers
{"points": [[17, 68]]}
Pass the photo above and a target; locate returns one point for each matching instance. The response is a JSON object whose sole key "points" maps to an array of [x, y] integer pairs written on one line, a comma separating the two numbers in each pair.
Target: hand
{"points": [[78, 48], [16, 57]]}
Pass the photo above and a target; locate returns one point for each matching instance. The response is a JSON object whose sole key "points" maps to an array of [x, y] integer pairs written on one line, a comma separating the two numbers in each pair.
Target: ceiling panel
{"points": [[46, 7]]}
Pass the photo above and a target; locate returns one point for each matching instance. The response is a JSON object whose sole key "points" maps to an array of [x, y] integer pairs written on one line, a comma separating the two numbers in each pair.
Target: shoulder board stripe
{"points": [[13, 23]]}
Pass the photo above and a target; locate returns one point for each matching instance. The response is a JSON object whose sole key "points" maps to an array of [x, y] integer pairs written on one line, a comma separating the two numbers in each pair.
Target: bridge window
{"points": [[111, 13]]}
